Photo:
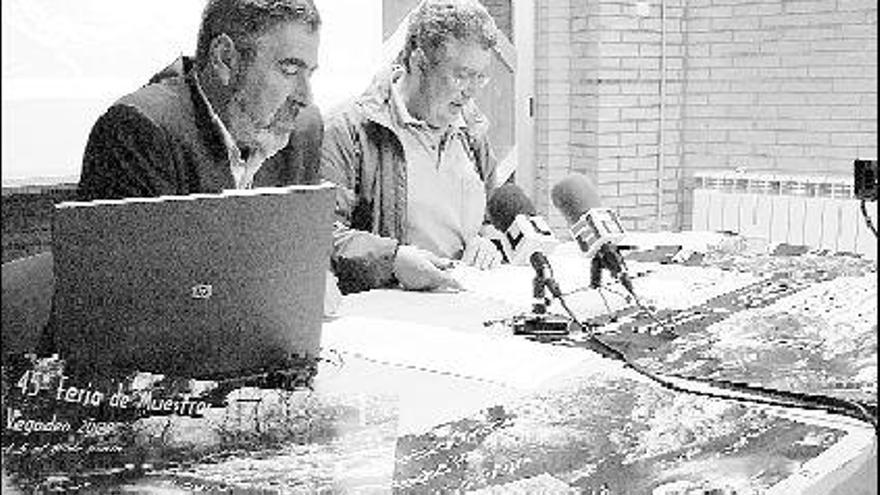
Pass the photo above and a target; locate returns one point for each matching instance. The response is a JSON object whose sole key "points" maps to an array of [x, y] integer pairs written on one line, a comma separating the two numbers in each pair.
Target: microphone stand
{"points": [[539, 323], [540, 301], [611, 260], [596, 272]]}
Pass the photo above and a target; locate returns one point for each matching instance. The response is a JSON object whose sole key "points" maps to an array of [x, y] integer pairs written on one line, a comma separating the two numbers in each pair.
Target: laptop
{"points": [[200, 286]]}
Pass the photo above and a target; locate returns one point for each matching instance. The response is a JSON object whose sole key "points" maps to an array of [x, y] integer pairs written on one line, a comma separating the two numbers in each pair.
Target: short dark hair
{"points": [[245, 20], [435, 22]]}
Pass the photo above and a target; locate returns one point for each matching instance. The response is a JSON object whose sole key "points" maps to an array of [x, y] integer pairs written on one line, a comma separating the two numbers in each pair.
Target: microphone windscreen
{"points": [[506, 203], [574, 196]]}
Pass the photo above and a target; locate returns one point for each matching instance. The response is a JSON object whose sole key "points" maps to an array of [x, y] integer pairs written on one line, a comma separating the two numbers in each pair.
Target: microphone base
{"points": [[544, 325]]}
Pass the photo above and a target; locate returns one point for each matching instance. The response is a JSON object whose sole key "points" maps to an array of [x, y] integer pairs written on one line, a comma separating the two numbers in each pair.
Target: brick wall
{"points": [[761, 84], [780, 85], [621, 66], [554, 110], [605, 58]]}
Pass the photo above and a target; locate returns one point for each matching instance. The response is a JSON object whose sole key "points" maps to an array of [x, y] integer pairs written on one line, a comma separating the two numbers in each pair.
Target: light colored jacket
{"points": [[363, 155]]}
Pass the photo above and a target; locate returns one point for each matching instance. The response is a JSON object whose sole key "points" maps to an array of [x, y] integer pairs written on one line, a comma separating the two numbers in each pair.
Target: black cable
{"points": [[646, 310], [754, 393], [863, 414], [602, 287], [623, 278], [868, 218], [625, 297], [558, 294], [607, 307], [638, 302]]}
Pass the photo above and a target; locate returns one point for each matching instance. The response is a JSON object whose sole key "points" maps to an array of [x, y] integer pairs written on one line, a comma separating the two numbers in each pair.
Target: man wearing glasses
{"points": [[412, 160]]}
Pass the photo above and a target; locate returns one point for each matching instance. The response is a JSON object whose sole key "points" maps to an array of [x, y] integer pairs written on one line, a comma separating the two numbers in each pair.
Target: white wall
{"points": [[65, 61], [351, 43]]}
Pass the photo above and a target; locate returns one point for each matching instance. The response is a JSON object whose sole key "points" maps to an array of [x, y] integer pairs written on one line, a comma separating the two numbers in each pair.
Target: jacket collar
{"points": [[183, 69]]}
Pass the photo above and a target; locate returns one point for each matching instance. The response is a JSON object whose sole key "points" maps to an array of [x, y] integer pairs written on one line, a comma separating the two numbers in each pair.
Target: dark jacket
{"points": [[160, 140], [364, 157]]}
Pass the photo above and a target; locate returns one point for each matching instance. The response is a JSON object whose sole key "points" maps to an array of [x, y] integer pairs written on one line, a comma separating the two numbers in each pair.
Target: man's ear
{"points": [[224, 58]]}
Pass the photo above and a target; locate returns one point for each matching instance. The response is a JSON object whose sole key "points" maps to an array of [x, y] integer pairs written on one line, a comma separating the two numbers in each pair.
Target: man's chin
{"points": [[453, 114], [442, 121]]}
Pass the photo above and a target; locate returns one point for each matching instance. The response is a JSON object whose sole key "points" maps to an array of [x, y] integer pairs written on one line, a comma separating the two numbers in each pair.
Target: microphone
{"points": [[544, 275], [523, 232], [539, 323], [591, 225], [597, 230]]}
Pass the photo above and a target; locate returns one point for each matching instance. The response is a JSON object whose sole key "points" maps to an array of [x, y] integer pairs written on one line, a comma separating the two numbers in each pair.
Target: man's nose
{"points": [[302, 91]]}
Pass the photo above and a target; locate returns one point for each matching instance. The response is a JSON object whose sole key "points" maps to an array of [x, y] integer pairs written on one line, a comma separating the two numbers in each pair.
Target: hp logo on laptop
{"points": [[202, 291]]}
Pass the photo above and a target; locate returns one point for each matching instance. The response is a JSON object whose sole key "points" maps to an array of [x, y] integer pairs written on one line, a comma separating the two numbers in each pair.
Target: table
{"points": [[428, 392]]}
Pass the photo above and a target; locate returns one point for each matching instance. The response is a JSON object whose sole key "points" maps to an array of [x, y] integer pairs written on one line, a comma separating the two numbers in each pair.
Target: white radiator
{"points": [[815, 211]]}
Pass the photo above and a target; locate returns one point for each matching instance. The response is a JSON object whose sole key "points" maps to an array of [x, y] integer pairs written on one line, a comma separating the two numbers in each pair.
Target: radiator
{"points": [[816, 211]]}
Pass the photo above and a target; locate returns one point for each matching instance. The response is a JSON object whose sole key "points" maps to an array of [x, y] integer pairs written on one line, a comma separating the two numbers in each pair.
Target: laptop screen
{"points": [[199, 286]]}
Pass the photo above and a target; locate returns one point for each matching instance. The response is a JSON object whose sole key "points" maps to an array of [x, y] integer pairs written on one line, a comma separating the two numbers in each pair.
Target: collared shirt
{"points": [[446, 200], [242, 170]]}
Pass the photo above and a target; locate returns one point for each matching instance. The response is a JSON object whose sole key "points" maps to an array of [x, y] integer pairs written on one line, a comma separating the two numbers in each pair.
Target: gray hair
{"points": [[245, 20], [435, 22]]}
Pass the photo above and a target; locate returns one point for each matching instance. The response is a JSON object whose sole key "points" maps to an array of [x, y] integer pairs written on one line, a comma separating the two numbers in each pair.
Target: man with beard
{"points": [[238, 115]]}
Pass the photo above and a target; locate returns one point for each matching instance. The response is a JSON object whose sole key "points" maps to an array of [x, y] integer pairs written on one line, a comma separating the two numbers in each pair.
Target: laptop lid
{"points": [[200, 286]]}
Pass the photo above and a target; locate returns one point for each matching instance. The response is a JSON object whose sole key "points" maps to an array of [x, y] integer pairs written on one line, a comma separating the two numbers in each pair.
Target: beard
{"points": [[263, 140]]}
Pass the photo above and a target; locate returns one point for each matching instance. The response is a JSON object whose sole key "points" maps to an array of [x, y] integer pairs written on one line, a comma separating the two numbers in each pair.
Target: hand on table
{"points": [[417, 269], [480, 252]]}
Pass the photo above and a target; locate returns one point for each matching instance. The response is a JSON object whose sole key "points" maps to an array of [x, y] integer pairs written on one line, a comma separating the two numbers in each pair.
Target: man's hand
{"points": [[417, 269], [481, 253]]}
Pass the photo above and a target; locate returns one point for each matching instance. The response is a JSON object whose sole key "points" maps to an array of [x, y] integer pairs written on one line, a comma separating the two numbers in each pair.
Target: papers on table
{"points": [[505, 360]]}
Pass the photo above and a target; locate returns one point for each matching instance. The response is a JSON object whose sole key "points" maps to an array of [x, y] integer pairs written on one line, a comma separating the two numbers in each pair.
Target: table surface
{"points": [[427, 392]]}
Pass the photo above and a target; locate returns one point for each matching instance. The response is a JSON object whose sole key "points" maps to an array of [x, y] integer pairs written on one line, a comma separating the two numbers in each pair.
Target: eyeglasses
{"points": [[463, 80]]}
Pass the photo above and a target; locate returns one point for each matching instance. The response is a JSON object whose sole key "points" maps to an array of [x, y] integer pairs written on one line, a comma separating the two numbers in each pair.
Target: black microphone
{"points": [[540, 321], [597, 230], [544, 273], [522, 231]]}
